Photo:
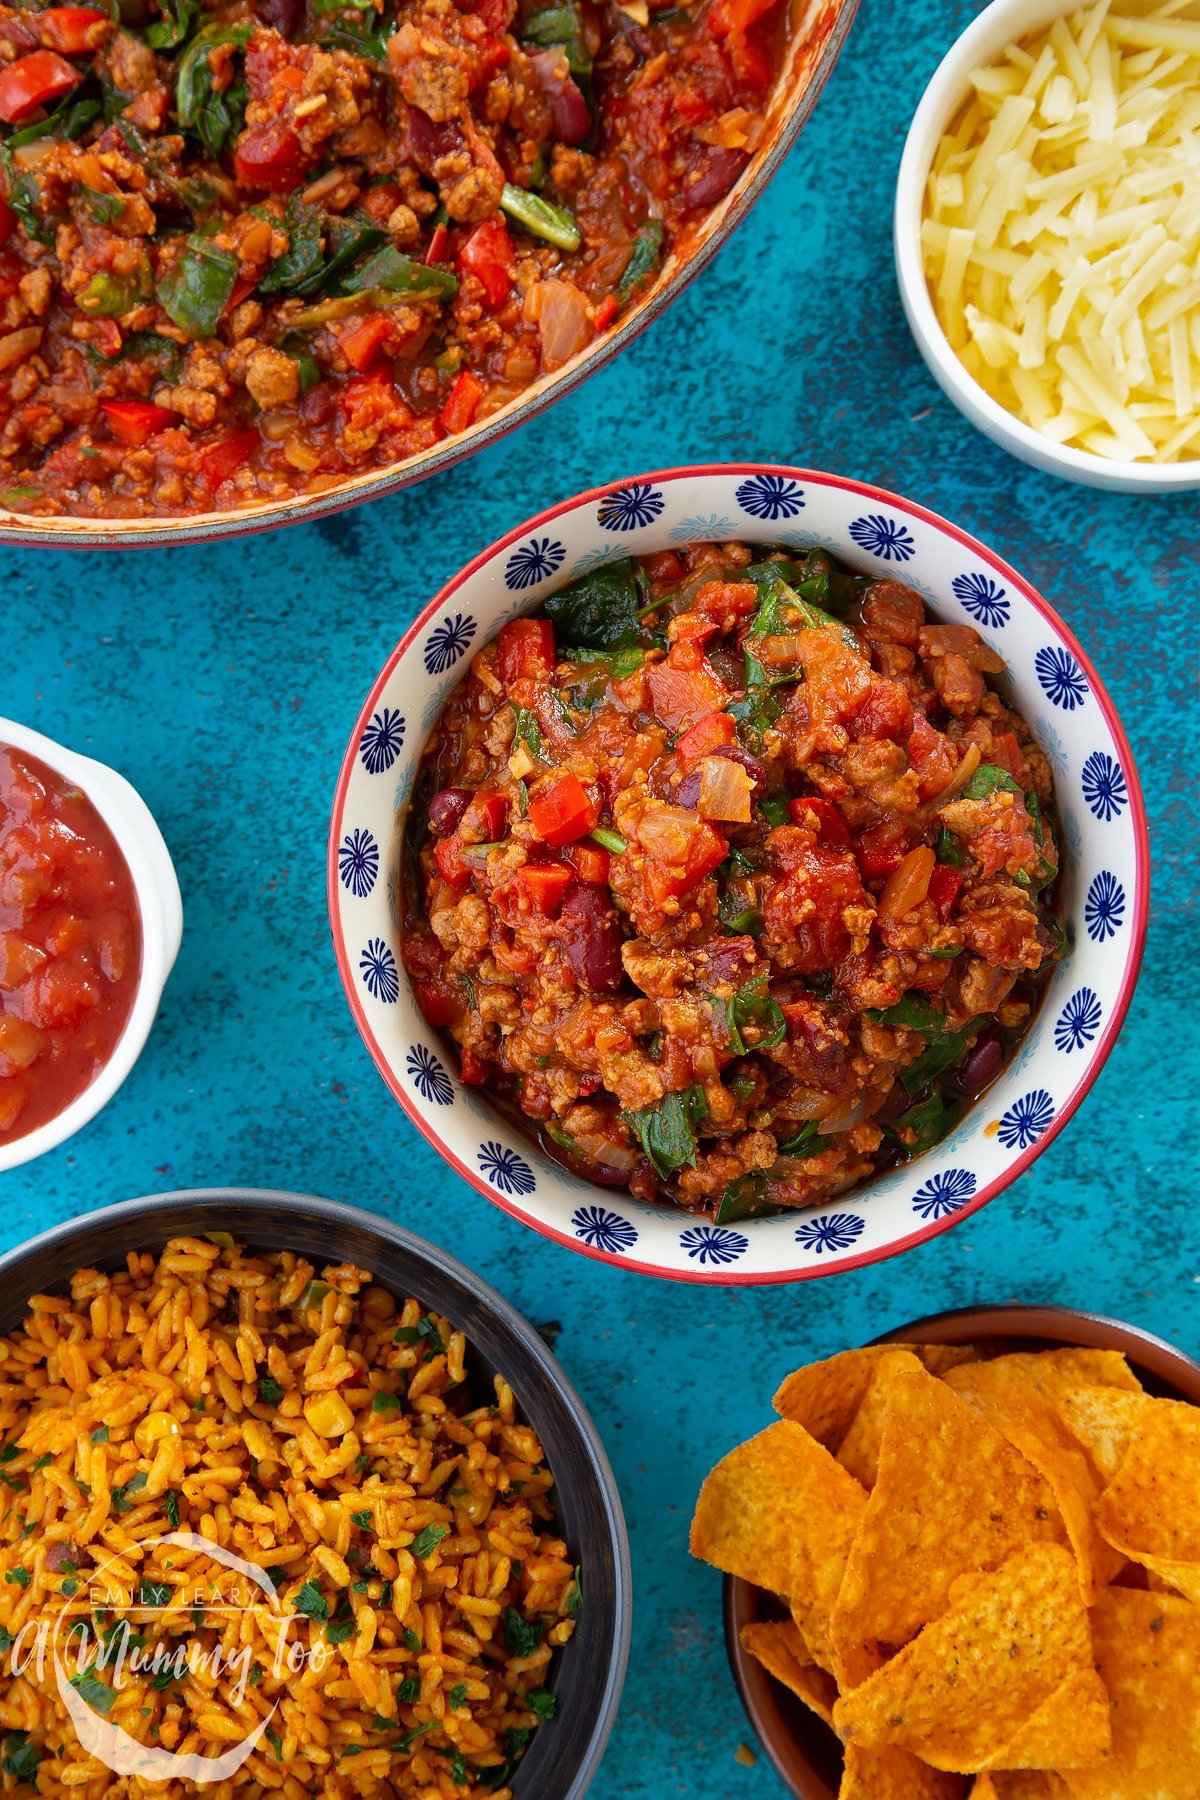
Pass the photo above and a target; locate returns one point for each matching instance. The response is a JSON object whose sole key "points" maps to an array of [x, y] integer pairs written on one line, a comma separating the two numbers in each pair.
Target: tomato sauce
{"points": [[70, 943]]}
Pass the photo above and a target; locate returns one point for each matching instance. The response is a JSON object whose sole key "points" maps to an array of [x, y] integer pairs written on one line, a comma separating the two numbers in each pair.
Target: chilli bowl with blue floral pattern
{"points": [[1105, 879]]}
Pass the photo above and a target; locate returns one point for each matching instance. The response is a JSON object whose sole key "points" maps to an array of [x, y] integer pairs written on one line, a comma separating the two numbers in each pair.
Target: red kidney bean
{"points": [[284, 15], [717, 175], [687, 793], [446, 809], [569, 115], [749, 762], [981, 1066], [590, 930]]}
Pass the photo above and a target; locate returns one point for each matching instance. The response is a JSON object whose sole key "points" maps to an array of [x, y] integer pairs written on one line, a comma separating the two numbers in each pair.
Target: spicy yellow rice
{"points": [[315, 1427]]}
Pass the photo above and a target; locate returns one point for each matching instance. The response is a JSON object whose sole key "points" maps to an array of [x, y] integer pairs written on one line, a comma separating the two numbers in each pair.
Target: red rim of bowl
{"points": [[884, 497], [803, 1751], [274, 516]]}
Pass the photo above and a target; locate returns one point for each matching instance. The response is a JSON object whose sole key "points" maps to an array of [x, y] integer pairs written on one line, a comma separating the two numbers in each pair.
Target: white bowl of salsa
{"points": [[90, 925]]}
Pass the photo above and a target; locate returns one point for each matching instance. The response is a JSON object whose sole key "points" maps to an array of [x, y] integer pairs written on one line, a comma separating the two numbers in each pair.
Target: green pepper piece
{"points": [[393, 272], [105, 207], [643, 259], [541, 218], [312, 1296], [196, 291], [560, 26], [612, 841]]}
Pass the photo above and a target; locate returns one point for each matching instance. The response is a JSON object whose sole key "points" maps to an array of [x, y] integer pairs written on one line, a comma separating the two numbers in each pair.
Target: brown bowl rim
{"points": [[803, 1751], [73, 532]]}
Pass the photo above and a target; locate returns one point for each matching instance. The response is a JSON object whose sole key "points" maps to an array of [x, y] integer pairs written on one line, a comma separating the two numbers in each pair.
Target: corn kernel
{"points": [[154, 1426], [328, 1414]]}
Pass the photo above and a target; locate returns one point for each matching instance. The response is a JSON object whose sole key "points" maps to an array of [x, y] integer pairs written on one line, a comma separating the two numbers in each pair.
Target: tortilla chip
{"points": [[1070, 1730], [782, 1514], [859, 1449], [952, 1498], [1021, 1784], [778, 1646], [1052, 1373], [1106, 1421], [1150, 1510], [1147, 1649], [812, 1622], [824, 1396], [1001, 1391], [975, 1678], [894, 1775]]}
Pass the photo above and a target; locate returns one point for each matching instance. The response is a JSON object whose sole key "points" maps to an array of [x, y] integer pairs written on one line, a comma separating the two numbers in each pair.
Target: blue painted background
{"points": [[224, 682]]}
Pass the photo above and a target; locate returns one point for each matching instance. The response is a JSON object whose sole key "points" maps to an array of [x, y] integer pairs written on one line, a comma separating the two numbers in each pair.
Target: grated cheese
{"points": [[1061, 237]]}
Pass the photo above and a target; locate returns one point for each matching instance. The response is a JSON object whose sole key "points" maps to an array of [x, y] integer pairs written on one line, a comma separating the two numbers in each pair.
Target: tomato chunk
{"points": [[134, 421], [439, 1007], [73, 30], [447, 854], [270, 156], [525, 651], [832, 830], [561, 809], [715, 732], [590, 862], [488, 254], [685, 687], [545, 886], [464, 401], [32, 81]]}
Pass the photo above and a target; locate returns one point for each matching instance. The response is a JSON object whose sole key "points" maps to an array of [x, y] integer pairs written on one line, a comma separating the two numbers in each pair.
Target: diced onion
{"points": [[725, 790], [1062, 232], [908, 883]]}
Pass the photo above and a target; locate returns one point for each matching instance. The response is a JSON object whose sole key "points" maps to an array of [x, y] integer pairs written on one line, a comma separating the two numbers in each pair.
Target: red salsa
{"points": [[70, 943]]}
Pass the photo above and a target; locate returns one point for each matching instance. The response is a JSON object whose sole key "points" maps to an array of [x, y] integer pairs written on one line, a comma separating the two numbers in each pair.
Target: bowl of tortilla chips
{"points": [[964, 1564]]}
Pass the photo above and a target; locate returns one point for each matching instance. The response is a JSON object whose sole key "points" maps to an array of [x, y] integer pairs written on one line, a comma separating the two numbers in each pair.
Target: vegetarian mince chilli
{"points": [[732, 876], [248, 250]]}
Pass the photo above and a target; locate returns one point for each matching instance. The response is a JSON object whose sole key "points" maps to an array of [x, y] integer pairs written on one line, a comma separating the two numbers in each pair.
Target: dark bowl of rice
{"points": [[554, 1626]]}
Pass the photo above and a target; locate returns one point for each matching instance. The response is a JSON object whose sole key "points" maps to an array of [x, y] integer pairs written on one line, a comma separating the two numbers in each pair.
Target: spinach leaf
{"points": [[195, 290], [931, 1119], [527, 732], [666, 1131], [914, 1011], [599, 609], [940, 1054], [823, 584], [752, 1007], [25, 197], [643, 259], [949, 849], [394, 273], [988, 779], [214, 117], [304, 256], [177, 24], [807, 1141], [746, 1198]]}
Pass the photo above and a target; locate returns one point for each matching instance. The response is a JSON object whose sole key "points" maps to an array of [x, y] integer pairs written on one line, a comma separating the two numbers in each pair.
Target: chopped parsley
{"points": [[427, 1541], [543, 1703], [521, 1636], [312, 1602], [95, 1692], [269, 1390]]}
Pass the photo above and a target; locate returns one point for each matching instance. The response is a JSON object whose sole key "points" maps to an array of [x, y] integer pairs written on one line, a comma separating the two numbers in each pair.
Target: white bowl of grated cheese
{"points": [[1047, 236]]}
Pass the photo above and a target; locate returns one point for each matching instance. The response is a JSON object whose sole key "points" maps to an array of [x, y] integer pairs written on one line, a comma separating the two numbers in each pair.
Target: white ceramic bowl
{"points": [[1003, 22], [1105, 863], [141, 844]]}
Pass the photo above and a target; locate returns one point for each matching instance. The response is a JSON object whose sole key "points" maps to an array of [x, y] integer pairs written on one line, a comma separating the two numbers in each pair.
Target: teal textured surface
{"points": [[224, 683]]}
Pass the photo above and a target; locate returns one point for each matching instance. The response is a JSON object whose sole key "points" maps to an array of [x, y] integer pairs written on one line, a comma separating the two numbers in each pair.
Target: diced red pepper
{"points": [[606, 312], [561, 809], [472, 1068], [363, 341], [486, 818], [72, 29], [488, 253], [664, 565], [436, 252], [1006, 752], [497, 15], [944, 885], [447, 854], [32, 81], [832, 829], [229, 454], [685, 687], [8, 220], [134, 421], [464, 401], [590, 862], [438, 1007], [545, 885], [270, 156], [525, 651], [712, 733]]}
